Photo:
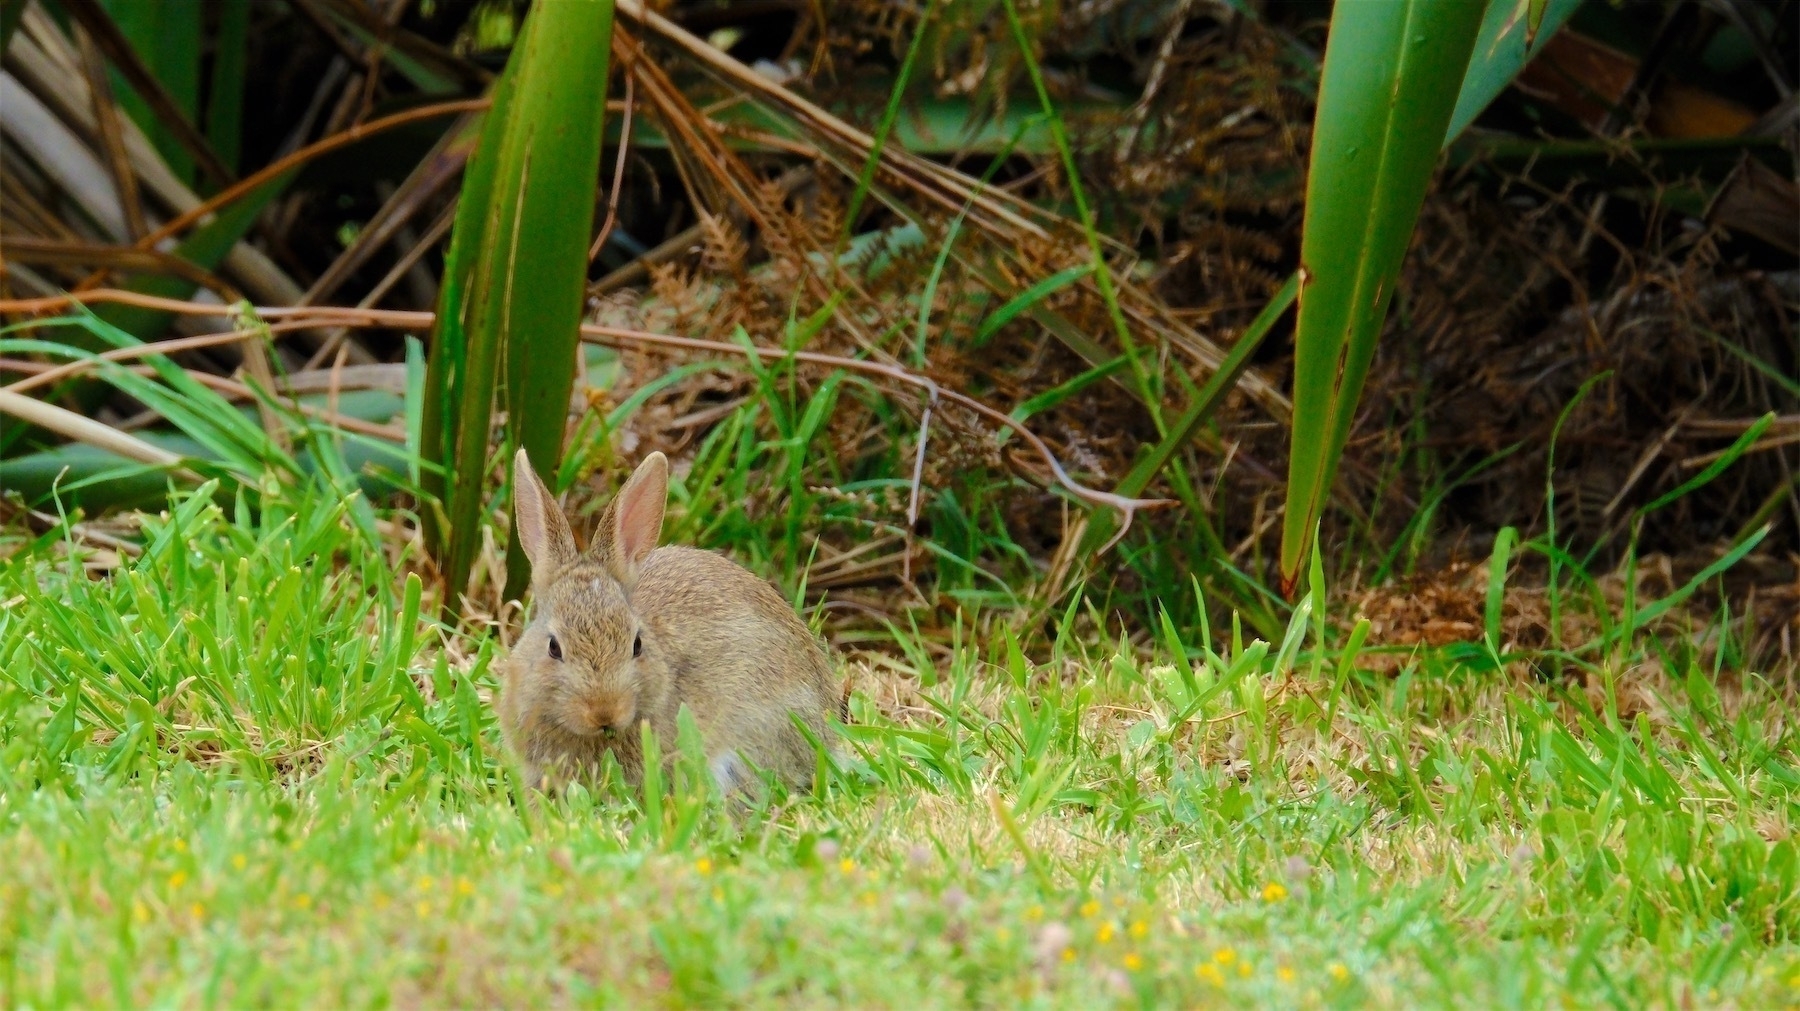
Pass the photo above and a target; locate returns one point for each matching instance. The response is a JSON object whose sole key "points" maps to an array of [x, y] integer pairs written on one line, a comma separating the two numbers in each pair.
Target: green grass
{"points": [[248, 767]]}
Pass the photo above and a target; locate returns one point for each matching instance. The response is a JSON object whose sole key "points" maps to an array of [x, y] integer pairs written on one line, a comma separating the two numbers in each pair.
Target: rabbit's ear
{"points": [[637, 516], [543, 529]]}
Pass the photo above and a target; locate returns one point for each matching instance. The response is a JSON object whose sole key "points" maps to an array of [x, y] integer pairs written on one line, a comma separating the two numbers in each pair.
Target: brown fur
{"points": [[715, 638]]}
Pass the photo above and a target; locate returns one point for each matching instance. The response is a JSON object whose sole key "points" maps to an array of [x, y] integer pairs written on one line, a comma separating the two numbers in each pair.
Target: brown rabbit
{"points": [[627, 632]]}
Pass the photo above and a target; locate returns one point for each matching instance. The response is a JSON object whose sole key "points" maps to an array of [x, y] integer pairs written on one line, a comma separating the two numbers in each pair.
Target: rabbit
{"points": [[627, 632]]}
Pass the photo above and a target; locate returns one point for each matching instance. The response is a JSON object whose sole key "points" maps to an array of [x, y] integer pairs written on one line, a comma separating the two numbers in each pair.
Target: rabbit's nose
{"points": [[600, 715]]}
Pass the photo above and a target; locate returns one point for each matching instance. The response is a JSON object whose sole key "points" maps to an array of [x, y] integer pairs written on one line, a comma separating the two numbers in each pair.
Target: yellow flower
{"points": [[1105, 933], [1274, 891], [870, 898], [1134, 961], [425, 883], [177, 879], [141, 912], [1209, 973], [1339, 971], [303, 901], [1285, 974], [1002, 935], [423, 909], [239, 862], [1224, 956], [1090, 908], [1139, 928], [1068, 954], [703, 865], [553, 889], [181, 845], [718, 894], [197, 910], [847, 865], [1244, 968], [465, 887], [1034, 913]]}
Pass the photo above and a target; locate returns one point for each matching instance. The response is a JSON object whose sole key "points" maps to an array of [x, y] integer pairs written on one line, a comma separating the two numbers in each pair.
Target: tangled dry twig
{"points": [[306, 317]]}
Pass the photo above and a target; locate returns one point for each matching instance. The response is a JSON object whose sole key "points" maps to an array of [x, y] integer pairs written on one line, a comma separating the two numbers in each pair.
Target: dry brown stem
{"points": [[305, 317]]}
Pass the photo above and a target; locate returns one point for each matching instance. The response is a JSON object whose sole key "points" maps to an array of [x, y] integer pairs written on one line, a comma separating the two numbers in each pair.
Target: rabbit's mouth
{"points": [[601, 718]]}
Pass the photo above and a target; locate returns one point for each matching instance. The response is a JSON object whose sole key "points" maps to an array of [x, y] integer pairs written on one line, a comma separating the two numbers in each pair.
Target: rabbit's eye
{"points": [[637, 645], [555, 649]]}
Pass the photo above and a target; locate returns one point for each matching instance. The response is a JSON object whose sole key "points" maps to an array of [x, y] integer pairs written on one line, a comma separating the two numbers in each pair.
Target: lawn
{"points": [[245, 766]]}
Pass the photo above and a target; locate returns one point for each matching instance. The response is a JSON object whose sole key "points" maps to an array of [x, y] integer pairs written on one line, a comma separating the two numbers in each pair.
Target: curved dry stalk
{"points": [[84, 429], [112, 135], [618, 180], [33, 250], [313, 315], [300, 317], [231, 389], [68, 369], [440, 167], [300, 157], [119, 52]]}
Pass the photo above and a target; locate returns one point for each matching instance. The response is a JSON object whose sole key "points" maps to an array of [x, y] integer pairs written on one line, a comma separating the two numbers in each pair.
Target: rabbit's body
{"points": [[623, 634]]}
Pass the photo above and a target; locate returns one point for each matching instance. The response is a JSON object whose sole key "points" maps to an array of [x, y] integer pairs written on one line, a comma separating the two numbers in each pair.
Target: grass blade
{"points": [[895, 96], [1102, 270], [1026, 299], [1717, 467], [1496, 588], [1101, 525], [1725, 561], [1063, 391]]}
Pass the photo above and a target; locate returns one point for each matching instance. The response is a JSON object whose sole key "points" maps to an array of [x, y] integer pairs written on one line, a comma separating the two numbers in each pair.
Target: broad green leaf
{"points": [[166, 36], [1502, 49], [460, 378], [1390, 79], [518, 268], [225, 91], [1512, 34], [11, 13]]}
